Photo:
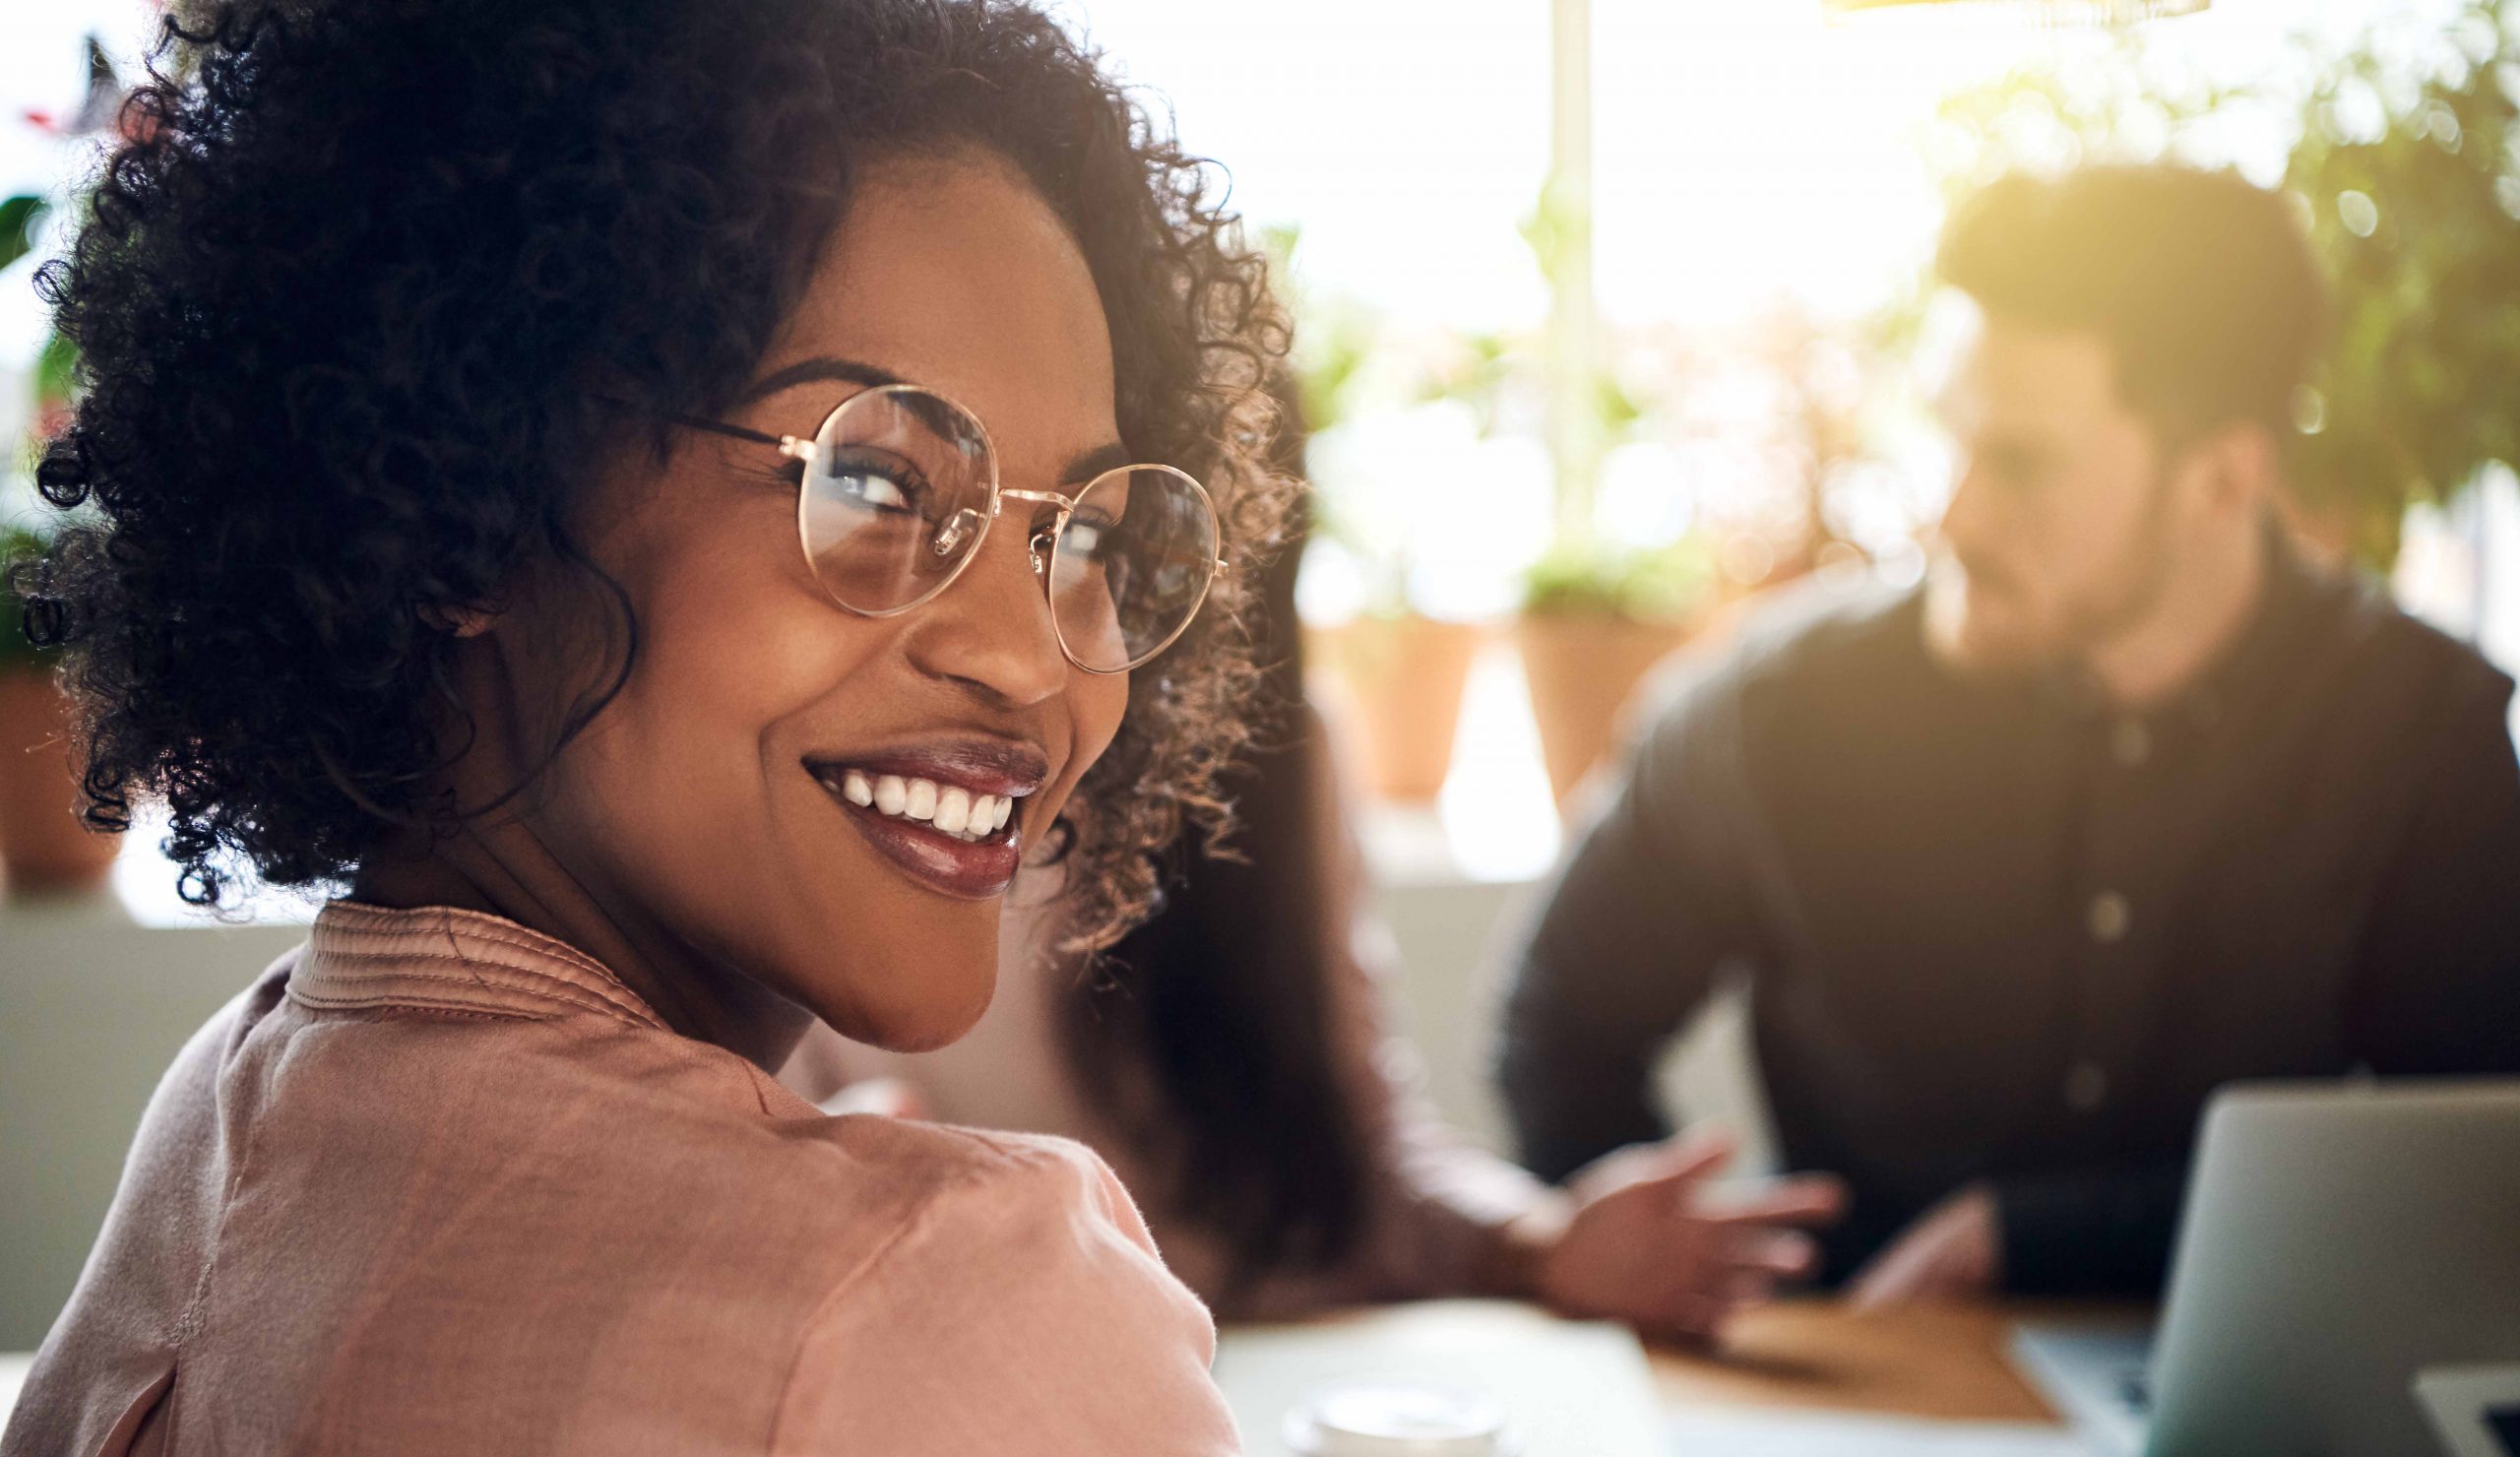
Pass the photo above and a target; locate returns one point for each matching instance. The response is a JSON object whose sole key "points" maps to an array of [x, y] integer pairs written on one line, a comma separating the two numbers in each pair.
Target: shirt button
{"points": [[2109, 917], [2086, 1086], [2131, 742]]}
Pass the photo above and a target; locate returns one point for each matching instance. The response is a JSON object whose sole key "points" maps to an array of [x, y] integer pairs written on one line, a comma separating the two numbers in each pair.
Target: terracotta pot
{"points": [[1581, 671], [44, 847], [1402, 679]]}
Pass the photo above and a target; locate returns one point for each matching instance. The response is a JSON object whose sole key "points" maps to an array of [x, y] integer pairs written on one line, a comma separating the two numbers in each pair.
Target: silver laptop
{"points": [[2348, 1274]]}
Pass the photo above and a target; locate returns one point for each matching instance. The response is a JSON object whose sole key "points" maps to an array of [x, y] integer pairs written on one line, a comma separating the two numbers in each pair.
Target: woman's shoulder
{"points": [[902, 1177], [1008, 1190], [923, 1287], [953, 1163], [574, 1097], [1018, 1304], [487, 1199]]}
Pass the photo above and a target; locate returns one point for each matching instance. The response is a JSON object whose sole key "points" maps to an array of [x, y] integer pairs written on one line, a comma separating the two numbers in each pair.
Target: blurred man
{"points": [[2126, 802]]}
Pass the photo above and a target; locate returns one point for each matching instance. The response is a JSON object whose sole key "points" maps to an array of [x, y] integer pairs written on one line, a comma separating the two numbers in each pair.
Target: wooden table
{"points": [[1948, 1362]]}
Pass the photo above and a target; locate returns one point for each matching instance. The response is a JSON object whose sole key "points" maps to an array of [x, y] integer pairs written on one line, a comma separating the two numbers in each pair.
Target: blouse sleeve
{"points": [[1022, 1309]]}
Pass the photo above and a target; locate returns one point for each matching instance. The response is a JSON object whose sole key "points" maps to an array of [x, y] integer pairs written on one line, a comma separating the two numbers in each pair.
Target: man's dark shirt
{"points": [[2001, 931]]}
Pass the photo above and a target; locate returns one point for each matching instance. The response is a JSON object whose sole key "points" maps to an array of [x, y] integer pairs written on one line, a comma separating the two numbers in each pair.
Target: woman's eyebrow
{"points": [[1080, 468], [1085, 465], [815, 370]]}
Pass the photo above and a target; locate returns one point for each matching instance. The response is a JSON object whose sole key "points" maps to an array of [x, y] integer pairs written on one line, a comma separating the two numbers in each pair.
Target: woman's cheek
{"points": [[1103, 704]]}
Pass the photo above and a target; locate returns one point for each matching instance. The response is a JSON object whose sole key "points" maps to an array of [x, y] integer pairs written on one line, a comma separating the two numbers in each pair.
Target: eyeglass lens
{"points": [[1131, 565], [894, 498], [898, 497]]}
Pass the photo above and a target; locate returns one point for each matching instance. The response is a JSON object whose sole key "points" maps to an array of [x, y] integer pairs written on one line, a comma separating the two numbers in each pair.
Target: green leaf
{"points": [[1591, 578], [56, 368], [21, 218]]}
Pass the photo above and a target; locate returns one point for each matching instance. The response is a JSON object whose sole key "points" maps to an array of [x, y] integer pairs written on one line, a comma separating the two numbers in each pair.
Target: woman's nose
{"points": [[991, 630]]}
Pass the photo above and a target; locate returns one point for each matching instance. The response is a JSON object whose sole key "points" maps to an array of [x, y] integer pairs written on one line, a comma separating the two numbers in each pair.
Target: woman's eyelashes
{"points": [[876, 480]]}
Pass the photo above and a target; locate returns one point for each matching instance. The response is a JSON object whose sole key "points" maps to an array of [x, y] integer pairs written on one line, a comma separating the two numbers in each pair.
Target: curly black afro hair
{"points": [[377, 285]]}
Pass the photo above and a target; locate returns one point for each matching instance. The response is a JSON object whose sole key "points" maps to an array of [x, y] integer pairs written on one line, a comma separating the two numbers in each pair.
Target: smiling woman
{"points": [[674, 505]]}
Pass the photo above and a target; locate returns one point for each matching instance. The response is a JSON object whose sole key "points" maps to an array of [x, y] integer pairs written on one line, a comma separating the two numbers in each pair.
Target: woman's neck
{"points": [[506, 870]]}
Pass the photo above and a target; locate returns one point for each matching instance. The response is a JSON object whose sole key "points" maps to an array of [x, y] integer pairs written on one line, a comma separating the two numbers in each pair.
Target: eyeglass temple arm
{"points": [[789, 445]]}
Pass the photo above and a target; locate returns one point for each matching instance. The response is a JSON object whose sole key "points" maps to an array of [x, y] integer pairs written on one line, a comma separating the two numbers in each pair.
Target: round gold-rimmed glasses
{"points": [[897, 487]]}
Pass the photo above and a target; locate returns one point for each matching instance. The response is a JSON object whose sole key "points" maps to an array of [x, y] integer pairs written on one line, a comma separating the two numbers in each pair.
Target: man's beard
{"points": [[2128, 594]]}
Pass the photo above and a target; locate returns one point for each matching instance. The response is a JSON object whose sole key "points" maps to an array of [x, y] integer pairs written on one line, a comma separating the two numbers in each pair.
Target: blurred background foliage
{"points": [[1793, 442], [1594, 578], [20, 220], [2413, 192], [2403, 156], [1729, 433]]}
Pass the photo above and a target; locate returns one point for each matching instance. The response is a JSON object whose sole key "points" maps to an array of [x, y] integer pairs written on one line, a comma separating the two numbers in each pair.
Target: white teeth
{"points": [[950, 808]]}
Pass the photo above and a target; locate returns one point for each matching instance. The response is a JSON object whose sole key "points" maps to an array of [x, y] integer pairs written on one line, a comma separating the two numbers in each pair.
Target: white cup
{"points": [[1398, 1419]]}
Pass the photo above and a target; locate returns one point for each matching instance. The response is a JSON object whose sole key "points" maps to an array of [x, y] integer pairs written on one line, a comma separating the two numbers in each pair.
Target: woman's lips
{"points": [[946, 813], [968, 870]]}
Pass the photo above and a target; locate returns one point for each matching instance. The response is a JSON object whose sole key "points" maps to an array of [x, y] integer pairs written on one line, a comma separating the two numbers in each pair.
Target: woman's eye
{"points": [[876, 491], [1089, 537]]}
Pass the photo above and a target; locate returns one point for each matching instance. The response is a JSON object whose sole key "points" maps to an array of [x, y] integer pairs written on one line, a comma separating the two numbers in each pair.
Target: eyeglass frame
{"points": [[803, 451]]}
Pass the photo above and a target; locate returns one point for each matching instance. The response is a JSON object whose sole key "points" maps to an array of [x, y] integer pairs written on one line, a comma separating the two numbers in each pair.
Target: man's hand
{"points": [[1635, 1241], [1954, 1251]]}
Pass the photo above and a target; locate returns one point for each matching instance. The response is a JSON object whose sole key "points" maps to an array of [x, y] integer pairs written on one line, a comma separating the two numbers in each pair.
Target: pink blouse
{"points": [[439, 1184]]}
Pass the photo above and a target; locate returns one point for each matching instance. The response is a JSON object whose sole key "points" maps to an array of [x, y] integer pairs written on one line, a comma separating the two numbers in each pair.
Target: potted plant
{"points": [[45, 849], [1594, 619], [1400, 676], [1391, 676]]}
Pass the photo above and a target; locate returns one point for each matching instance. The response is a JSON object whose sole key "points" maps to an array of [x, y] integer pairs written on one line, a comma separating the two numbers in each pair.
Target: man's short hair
{"points": [[2201, 286]]}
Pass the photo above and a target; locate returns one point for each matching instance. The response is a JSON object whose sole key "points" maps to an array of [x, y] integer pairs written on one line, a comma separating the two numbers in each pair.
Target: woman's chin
{"points": [[927, 1037], [944, 1008]]}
